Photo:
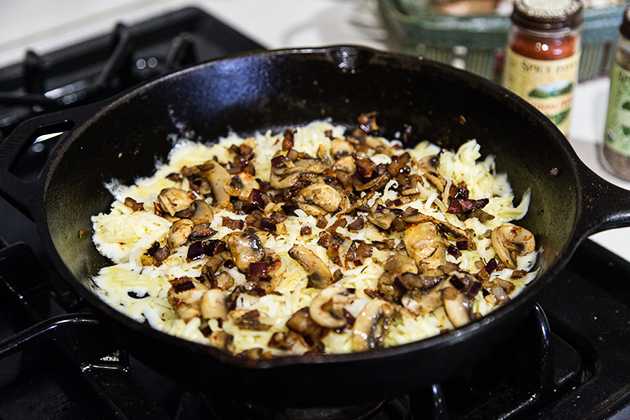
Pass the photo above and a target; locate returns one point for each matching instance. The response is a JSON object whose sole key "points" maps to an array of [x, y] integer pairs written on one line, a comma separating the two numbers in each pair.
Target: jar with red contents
{"points": [[543, 55]]}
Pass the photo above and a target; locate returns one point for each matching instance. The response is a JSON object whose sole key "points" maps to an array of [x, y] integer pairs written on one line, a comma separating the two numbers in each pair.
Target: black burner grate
{"points": [[533, 370], [104, 66]]}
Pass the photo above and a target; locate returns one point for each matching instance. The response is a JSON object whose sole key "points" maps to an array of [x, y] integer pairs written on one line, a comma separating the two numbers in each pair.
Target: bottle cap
{"points": [[625, 25], [547, 15]]}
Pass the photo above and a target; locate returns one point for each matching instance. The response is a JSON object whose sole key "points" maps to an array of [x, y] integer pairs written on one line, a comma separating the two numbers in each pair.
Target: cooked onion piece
{"points": [[314, 241]]}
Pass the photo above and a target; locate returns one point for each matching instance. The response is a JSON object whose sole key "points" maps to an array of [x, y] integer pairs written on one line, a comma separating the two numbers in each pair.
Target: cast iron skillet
{"points": [[286, 88]]}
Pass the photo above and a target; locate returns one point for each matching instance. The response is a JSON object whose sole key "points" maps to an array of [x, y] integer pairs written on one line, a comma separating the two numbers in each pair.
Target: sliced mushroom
{"points": [[400, 263], [457, 306], [320, 196], [173, 200], [510, 241], [371, 325], [179, 233], [327, 307], [219, 178], [302, 323], [381, 216], [319, 275], [429, 168], [184, 296], [423, 281], [340, 148], [411, 216], [453, 231], [497, 293], [425, 245], [284, 340], [241, 186], [312, 165], [214, 304], [246, 248], [345, 164], [225, 281], [246, 319], [424, 302], [202, 213], [280, 182], [378, 145], [221, 340]]}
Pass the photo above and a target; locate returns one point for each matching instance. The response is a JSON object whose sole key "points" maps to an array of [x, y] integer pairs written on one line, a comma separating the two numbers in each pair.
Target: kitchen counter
{"points": [[46, 25]]}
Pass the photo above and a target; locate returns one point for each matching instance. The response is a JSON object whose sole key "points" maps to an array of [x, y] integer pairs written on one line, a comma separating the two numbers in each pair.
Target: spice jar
{"points": [[543, 55], [616, 152]]}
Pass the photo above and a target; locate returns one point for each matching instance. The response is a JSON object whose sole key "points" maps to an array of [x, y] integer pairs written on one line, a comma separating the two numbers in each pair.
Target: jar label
{"points": [[546, 84], [617, 133]]}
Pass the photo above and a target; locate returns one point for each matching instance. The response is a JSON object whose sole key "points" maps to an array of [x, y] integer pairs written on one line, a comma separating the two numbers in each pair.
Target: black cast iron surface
{"points": [[72, 370]]}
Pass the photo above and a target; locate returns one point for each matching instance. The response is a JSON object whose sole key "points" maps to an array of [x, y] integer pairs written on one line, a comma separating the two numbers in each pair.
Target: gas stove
{"points": [[567, 360]]}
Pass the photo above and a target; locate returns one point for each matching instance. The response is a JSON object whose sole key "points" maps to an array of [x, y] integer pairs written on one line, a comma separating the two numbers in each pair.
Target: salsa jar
{"points": [[616, 149], [542, 56]]}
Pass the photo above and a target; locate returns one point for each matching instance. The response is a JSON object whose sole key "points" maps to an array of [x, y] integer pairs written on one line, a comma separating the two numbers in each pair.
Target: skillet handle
{"points": [[604, 206], [27, 197]]}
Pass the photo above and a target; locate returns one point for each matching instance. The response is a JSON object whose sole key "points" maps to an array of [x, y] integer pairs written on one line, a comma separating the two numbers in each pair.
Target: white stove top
{"points": [[46, 25]]}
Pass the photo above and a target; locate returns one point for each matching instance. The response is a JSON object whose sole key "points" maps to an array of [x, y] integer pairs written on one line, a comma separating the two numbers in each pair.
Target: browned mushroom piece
{"points": [[246, 319], [454, 231], [319, 275], [371, 325], [510, 241], [224, 281], [378, 145], [388, 286], [185, 295], [457, 306], [246, 248], [345, 164], [221, 340], [318, 199], [241, 186], [424, 302], [173, 200], [425, 244], [219, 178], [284, 340], [302, 323], [327, 308], [214, 304], [340, 148], [282, 182], [179, 232], [429, 168], [498, 294], [399, 263], [202, 212], [423, 281], [312, 165], [381, 216]]}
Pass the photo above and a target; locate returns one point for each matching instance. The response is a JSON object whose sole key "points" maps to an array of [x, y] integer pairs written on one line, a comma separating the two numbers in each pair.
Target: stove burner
{"points": [[530, 370], [105, 66]]}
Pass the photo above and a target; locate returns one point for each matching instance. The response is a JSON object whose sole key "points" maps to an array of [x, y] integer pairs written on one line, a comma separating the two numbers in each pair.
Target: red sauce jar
{"points": [[543, 55]]}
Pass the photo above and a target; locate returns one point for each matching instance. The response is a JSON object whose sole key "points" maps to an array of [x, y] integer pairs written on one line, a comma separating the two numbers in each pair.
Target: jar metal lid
{"points": [[547, 15], [625, 25]]}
